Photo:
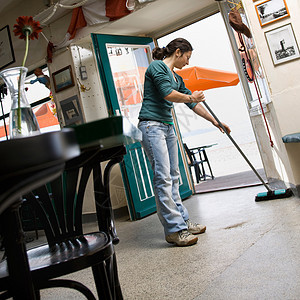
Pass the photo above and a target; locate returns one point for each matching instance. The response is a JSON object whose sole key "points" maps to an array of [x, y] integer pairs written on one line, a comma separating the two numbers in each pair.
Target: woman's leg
{"points": [[194, 228], [155, 136], [174, 171]]}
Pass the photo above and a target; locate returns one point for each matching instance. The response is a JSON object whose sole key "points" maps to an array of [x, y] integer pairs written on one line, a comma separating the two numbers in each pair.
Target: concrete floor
{"points": [[250, 251]]}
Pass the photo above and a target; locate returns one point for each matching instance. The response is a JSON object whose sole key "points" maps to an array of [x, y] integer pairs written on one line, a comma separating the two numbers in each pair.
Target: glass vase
{"points": [[22, 120]]}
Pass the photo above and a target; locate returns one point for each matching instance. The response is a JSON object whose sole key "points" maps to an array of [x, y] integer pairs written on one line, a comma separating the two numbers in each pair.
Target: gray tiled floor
{"points": [[250, 251]]}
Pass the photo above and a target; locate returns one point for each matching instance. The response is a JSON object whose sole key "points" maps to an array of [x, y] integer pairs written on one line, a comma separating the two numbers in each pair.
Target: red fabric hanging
{"points": [[77, 22], [116, 9], [50, 49]]}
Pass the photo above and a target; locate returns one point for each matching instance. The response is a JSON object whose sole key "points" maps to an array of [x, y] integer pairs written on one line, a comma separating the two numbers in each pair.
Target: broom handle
{"points": [[236, 145]]}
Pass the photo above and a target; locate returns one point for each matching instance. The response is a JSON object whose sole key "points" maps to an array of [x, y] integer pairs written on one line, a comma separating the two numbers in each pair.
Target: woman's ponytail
{"points": [[158, 53]]}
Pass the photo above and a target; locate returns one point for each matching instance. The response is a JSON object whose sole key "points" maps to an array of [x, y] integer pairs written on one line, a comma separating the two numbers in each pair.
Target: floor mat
{"points": [[232, 181]]}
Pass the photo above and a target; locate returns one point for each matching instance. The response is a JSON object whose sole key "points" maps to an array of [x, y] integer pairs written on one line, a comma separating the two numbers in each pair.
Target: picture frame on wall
{"points": [[7, 55], [71, 110], [282, 44], [63, 79], [271, 11]]}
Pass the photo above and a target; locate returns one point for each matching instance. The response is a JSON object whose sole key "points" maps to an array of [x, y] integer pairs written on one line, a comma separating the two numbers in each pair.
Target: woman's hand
{"points": [[228, 130], [198, 96]]}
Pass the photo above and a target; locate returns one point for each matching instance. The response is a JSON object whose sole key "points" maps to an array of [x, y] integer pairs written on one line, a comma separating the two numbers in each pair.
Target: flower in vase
{"points": [[26, 25], [26, 28]]}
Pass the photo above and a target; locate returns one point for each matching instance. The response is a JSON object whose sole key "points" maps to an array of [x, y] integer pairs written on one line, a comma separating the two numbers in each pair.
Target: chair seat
{"points": [[64, 258]]}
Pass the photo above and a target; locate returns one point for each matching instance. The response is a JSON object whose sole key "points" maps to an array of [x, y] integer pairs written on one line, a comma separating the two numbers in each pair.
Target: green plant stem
{"points": [[26, 49], [19, 83]]}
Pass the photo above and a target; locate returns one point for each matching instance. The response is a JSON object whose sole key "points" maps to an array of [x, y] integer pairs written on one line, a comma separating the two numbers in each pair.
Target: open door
{"points": [[122, 63]]}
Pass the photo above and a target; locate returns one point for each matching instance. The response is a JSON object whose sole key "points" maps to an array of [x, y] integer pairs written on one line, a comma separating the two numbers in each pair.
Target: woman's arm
{"points": [[178, 97]]}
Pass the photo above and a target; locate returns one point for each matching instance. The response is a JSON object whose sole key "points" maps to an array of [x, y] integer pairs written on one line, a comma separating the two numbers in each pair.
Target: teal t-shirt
{"points": [[159, 82]]}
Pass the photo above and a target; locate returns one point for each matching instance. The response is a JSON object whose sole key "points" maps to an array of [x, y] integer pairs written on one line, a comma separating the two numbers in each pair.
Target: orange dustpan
{"points": [[197, 78]]}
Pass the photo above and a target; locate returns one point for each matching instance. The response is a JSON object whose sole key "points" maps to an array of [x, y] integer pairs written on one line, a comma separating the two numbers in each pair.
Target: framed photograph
{"points": [[282, 44], [63, 79], [271, 11], [7, 55], [71, 110]]}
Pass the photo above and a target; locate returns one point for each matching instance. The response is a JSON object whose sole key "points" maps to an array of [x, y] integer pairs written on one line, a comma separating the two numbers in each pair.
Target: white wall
{"points": [[284, 86], [93, 105]]}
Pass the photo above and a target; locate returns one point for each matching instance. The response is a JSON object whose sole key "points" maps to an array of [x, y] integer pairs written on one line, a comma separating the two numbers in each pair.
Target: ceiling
{"points": [[152, 18], [7, 4]]}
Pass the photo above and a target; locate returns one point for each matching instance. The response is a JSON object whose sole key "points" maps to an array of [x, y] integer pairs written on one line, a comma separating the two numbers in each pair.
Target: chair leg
{"points": [[206, 159], [102, 281], [117, 286], [203, 175], [17, 260], [203, 172], [112, 274], [197, 173]]}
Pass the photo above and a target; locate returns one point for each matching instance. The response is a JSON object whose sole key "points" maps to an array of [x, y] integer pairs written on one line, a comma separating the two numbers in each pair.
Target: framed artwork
{"points": [[71, 110], [63, 79], [7, 55], [271, 11], [282, 44]]}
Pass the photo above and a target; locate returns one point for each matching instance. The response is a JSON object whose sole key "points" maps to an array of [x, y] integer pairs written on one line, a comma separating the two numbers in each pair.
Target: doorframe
{"points": [[219, 7]]}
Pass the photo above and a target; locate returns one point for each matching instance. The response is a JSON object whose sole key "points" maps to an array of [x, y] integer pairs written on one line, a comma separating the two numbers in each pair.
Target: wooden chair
{"points": [[26, 164], [59, 207]]}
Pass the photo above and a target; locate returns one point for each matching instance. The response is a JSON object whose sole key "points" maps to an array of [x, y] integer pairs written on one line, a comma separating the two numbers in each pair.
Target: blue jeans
{"points": [[160, 145]]}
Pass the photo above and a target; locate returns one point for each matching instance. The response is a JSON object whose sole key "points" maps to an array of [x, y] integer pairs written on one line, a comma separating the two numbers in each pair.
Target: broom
{"points": [[270, 194]]}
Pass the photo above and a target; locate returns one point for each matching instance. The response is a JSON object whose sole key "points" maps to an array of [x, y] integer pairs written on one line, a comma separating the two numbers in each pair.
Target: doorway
{"points": [[212, 49], [122, 66]]}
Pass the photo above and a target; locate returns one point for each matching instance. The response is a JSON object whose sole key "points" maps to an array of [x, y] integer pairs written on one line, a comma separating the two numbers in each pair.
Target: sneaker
{"points": [[195, 228], [181, 238]]}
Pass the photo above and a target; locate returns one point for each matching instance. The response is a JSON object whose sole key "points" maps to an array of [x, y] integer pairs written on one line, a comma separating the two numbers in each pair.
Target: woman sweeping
{"points": [[163, 87]]}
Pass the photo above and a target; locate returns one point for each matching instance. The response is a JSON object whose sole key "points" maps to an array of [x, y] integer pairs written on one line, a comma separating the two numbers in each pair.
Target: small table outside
{"points": [[203, 158]]}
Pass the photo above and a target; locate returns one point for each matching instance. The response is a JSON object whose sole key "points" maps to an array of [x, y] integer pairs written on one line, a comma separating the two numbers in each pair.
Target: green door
{"points": [[122, 62]]}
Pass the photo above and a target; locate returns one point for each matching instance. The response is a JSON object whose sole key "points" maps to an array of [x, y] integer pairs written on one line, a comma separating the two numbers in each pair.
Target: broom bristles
{"points": [[272, 195]]}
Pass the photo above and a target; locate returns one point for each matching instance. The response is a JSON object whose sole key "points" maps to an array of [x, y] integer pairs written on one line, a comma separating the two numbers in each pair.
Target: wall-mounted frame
{"points": [[7, 55], [71, 110], [63, 79], [271, 11], [282, 44]]}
